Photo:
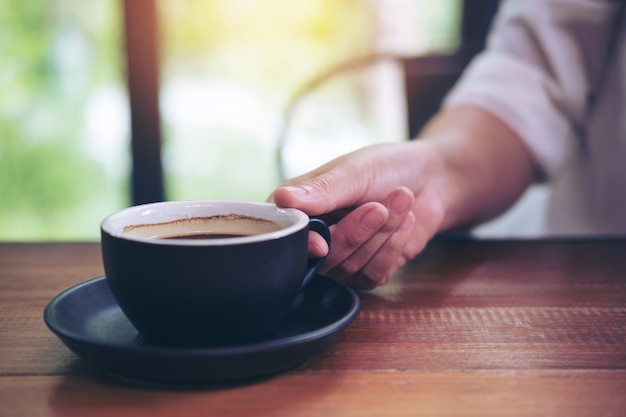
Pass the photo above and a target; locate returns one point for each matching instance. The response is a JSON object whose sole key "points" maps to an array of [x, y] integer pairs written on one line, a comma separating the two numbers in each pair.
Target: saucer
{"points": [[89, 321]]}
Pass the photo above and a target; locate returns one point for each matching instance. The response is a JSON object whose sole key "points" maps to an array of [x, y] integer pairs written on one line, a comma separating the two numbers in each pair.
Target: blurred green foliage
{"points": [[49, 184]]}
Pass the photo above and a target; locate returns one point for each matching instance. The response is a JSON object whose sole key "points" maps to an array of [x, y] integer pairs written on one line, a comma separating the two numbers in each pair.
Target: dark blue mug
{"points": [[208, 273]]}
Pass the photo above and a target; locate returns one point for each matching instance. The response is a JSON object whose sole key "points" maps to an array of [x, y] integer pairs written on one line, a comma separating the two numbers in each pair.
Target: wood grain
{"points": [[504, 328], [480, 394]]}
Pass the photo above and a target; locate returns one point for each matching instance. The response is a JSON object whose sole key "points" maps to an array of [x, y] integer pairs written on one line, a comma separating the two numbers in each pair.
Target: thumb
{"points": [[320, 194], [342, 183]]}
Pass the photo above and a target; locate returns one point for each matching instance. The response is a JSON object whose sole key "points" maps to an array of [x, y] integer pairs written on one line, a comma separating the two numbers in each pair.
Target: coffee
{"points": [[205, 227], [201, 236]]}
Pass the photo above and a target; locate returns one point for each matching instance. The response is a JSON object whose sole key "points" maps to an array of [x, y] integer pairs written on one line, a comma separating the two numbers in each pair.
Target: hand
{"points": [[386, 202], [381, 208]]}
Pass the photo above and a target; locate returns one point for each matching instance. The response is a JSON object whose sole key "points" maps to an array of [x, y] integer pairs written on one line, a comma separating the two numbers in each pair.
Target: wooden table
{"points": [[468, 329]]}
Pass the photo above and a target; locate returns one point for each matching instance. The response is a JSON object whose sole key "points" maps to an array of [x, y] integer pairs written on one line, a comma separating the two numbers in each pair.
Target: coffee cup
{"points": [[207, 273]]}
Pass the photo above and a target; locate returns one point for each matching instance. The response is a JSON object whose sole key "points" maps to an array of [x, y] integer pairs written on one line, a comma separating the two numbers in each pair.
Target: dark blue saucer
{"points": [[89, 321]]}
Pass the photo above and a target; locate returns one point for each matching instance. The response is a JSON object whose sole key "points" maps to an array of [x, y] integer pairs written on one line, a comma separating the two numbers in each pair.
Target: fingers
{"points": [[317, 245], [386, 262], [368, 244], [373, 223], [314, 198], [350, 233], [340, 184]]}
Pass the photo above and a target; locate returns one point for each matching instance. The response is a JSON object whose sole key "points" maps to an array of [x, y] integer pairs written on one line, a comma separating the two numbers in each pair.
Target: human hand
{"points": [[381, 208]]}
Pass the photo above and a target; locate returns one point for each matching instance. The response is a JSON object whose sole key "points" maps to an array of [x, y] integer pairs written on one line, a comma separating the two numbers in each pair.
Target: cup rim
{"points": [[113, 224]]}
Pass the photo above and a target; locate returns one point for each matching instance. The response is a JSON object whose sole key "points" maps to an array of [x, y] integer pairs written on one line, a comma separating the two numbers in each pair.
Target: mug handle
{"points": [[315, 264]]}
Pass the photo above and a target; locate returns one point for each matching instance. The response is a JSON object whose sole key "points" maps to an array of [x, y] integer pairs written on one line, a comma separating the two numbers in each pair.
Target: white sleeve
{"points": [[541, 62]]}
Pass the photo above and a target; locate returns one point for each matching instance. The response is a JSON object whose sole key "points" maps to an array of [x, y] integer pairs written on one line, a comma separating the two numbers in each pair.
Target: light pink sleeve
{"points": [[542, 60]]}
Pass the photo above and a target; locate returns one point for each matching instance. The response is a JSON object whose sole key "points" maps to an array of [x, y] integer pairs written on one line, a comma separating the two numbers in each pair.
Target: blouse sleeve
{"points": [[540, 64]]}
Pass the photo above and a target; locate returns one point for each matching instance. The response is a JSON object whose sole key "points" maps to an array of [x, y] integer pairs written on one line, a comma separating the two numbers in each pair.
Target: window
{"points": [[230, 72], [229, 69]]}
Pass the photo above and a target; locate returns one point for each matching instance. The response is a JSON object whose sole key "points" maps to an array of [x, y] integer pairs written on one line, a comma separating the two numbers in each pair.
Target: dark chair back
{"points": [[429, 78]]}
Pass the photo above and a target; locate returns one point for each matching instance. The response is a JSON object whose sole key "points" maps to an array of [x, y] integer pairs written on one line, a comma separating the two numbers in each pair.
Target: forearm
{"points": [[486, 165], [385, 202]]}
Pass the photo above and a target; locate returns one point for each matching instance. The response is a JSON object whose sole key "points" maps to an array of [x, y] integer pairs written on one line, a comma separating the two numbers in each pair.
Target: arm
{"points": [[389, 200], [486, 164], [542, 59]]}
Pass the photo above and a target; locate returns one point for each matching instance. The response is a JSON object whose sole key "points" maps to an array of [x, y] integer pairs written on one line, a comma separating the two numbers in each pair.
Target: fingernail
{"points": [[407, 223], [297, 191], [400, 204], [373, 219], [318, 249]]}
